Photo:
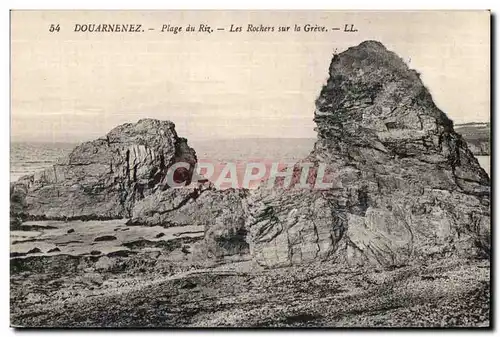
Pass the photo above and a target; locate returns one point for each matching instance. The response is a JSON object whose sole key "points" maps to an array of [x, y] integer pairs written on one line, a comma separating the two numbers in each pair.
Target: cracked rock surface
{"points": [[102, 179], [292, 227], [406, 186]]}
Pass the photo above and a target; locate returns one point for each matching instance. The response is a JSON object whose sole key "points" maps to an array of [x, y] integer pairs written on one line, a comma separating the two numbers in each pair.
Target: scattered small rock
{"points": [[188, 284], [105, 238], [105, 263], [34, 250], [159, 235], [71, 230], [121, 253], [54, 250], [35, 227], [95, 252], [68, 242]]}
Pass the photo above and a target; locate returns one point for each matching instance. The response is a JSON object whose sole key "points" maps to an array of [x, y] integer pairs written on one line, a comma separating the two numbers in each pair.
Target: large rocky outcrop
{"points": [[406, 185], [103, 178]]}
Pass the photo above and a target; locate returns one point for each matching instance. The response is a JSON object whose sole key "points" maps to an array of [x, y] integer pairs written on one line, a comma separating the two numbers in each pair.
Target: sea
{"points": [[27, 158]]}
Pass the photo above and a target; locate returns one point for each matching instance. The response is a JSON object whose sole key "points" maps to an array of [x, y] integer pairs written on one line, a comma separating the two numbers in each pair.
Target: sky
{"points": [[71, 86]]}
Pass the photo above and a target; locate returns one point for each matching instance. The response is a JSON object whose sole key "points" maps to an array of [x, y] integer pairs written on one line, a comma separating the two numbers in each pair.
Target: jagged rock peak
{"points": [[407, 188], [370, 87]]}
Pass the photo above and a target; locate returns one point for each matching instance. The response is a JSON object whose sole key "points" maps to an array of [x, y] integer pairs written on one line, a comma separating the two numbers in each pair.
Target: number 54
{"points": [[54, 28]]}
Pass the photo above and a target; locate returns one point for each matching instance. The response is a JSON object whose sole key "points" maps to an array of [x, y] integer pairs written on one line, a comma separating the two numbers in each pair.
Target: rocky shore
{"points": [[402, 238]]}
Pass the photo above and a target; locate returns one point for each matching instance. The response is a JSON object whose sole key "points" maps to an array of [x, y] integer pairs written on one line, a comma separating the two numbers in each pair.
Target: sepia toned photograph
{"points": [[250, 169]]}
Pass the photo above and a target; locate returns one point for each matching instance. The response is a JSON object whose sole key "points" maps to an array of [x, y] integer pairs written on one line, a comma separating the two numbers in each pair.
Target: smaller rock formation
{"points": [[103, 179]]}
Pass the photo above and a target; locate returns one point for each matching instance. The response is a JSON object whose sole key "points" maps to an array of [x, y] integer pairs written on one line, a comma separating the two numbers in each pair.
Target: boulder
{"points": [[222, 214], [103, 179]]}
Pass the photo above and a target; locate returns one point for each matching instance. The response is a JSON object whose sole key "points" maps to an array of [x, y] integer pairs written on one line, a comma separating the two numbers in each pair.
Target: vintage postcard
{"points": [[264, 169]]}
